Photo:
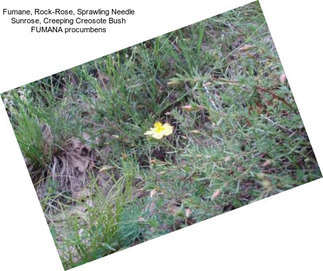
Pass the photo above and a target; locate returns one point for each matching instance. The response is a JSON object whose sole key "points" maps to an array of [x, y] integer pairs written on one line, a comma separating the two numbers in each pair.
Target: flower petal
{"points": [[168, 129], [157, 135], [149, 132]]}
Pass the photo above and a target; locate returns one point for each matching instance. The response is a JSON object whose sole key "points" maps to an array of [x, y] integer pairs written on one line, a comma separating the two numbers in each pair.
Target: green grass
{"points": [[238, 136]]}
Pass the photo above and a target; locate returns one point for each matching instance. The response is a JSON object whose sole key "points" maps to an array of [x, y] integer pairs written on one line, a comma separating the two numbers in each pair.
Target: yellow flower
{"points": [[159, 130]]}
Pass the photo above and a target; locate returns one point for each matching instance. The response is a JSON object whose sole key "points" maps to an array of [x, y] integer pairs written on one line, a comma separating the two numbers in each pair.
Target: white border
{"points": [[283, 232]]}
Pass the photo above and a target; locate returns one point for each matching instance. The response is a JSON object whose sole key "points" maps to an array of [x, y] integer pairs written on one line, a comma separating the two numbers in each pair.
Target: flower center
{"points": [[159, 127]]}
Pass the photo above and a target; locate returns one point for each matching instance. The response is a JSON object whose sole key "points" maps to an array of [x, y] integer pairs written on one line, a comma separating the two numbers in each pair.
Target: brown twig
{"points": [[274, 95]]}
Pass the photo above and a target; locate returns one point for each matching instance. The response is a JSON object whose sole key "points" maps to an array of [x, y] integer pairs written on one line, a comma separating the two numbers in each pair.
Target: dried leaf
{"points": [[245, 47], [266, 163], [153, 192], [105, 168], [282, 78], [187, 108], [215, 194], [153, 161], [188, 212], [241, 169], [227, 159]]}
